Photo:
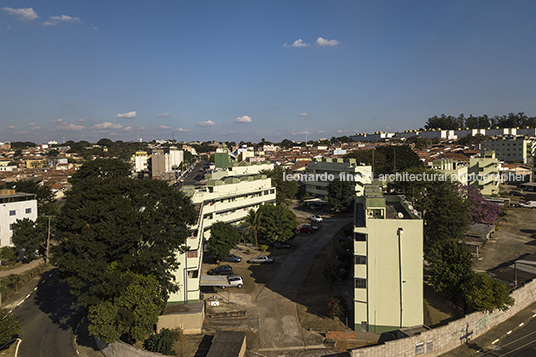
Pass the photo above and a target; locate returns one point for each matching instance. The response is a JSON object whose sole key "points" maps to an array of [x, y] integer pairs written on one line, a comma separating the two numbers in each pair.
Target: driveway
{"points": [[279, 327]]}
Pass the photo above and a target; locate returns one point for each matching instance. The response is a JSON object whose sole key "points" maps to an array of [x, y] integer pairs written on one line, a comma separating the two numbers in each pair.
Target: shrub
{"points": [[248, 251], [264, 248], [9, 326], [163, 342], [337, 307]]}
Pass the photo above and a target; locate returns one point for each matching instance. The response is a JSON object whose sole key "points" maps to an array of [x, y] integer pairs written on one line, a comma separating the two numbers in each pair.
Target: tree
{"points": [[285, 189], [450, 269], [53, 153], [223, 237], [483, 293], [279, 223], [43, 193], [8, 253], [9, 326], [110, 227], [253, 224], [102, 169], [132, 313], [479, 209], [27, 235], [341, 194]]}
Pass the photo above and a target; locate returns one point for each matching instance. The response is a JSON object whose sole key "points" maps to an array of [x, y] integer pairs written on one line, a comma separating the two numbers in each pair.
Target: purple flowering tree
{"points": [[480, 210]]}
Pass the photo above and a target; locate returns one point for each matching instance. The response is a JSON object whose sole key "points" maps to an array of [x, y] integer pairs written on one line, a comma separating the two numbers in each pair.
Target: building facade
{"points": [[321, 172], [510, 149], [163, 166], [388, 263], [14, 206], [484, 173], [228, 197], [454, 170]]}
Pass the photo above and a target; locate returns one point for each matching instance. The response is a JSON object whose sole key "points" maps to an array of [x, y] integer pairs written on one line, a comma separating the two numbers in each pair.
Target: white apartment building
{"points": [[14, 206], [388, 263], [141, 161], [484, 173], [162, 164], [321, 172], [227, 197], [454, 170], [511, 149]]}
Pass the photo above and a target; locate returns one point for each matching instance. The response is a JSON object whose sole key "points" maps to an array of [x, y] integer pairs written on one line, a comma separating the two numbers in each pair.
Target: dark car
{"points": [[221, 270], [282, 246], [345, 239], [233, 259], [516, 193], [305, 229]]}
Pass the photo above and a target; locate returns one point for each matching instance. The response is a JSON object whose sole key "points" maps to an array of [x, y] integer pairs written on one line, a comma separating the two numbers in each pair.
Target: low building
{"points": [[388, 263], [321, 172], [227, 197], [14, 206], [484, 174]]}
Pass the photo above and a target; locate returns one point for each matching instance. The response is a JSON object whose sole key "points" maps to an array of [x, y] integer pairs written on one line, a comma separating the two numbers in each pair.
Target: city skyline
{"points": [[250, 70]]}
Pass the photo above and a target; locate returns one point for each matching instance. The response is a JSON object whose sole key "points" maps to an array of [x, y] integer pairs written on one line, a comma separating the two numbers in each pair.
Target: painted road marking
{"points": [[494, 342], [521, 324], [509, 332], [50, 275]]}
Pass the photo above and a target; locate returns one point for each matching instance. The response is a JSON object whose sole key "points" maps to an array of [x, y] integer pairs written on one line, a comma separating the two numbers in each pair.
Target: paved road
{"points": [[519, 343], [48, 317], [279, 327]]}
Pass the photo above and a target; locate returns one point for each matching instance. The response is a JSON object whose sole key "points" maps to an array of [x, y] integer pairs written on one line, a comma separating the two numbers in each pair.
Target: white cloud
{"points": [[11, 127], [276, 104], [181, 130], [107, 125], [342, 131], [206, 123], [297, 43], [243, 119], [300, 133], [60, 120], [303, 114], [20, 132], [323, 42], [35, 127], [128, 128], [53, 20], [70, 127], [25, 14], [320, 131], [80, 120], [126, 115], [164, 115], [164, 127]]}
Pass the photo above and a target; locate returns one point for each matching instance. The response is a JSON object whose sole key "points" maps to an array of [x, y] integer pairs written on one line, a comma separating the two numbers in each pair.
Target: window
{"points": [[193, 274], [360, 259], [192, 254], [12, 212], [360, 283], [361, 237], [11, 227], [28, 210]]}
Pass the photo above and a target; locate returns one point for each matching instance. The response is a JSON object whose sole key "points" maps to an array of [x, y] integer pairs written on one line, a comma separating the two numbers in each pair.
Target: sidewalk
{"points": [[22, 268], [485, 341]]}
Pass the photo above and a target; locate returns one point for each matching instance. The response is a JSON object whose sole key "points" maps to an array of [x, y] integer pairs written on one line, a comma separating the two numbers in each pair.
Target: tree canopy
{"points": [[449, 122], [223, 237], [43, 193], [27, 234], [253, 224], [101, 169], [112, 230], [341, 194], [285, 189], [279, 223], [387, 159]]}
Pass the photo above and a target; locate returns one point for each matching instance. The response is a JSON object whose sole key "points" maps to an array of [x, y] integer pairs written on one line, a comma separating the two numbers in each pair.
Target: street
{"points": [[48, 317], [521, 342]]}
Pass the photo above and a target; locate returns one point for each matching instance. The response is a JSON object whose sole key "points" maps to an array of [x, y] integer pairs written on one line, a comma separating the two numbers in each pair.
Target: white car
{"points": [[315, 218], [261, 259]]}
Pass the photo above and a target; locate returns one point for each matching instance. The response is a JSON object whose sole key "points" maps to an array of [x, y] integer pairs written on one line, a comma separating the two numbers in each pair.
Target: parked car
{"points": [[282, 246], [306, 228], [516, 193], [221, 270], [345, 239], [315, 218], [233, 259], [261, 259]]}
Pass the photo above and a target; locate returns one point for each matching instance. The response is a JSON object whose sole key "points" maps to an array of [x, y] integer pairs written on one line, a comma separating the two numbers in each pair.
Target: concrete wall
{"points": [[122, 349], [445, 338], [191, 323]]}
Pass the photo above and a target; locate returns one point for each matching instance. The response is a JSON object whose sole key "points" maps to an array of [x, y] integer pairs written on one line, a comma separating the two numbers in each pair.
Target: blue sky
{"points": [[246, 70]]}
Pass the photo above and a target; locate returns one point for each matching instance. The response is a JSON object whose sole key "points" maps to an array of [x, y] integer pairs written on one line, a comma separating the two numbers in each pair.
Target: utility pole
{"points": [[47, 254]]}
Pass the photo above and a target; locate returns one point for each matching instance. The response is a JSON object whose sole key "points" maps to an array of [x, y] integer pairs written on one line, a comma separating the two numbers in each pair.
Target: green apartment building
{"points": [[516, 149], [388, 262], [484, 174]]}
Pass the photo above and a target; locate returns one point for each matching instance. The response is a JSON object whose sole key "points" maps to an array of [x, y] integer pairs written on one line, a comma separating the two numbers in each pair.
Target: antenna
{"points": [[306, 136], [173, 133]]}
